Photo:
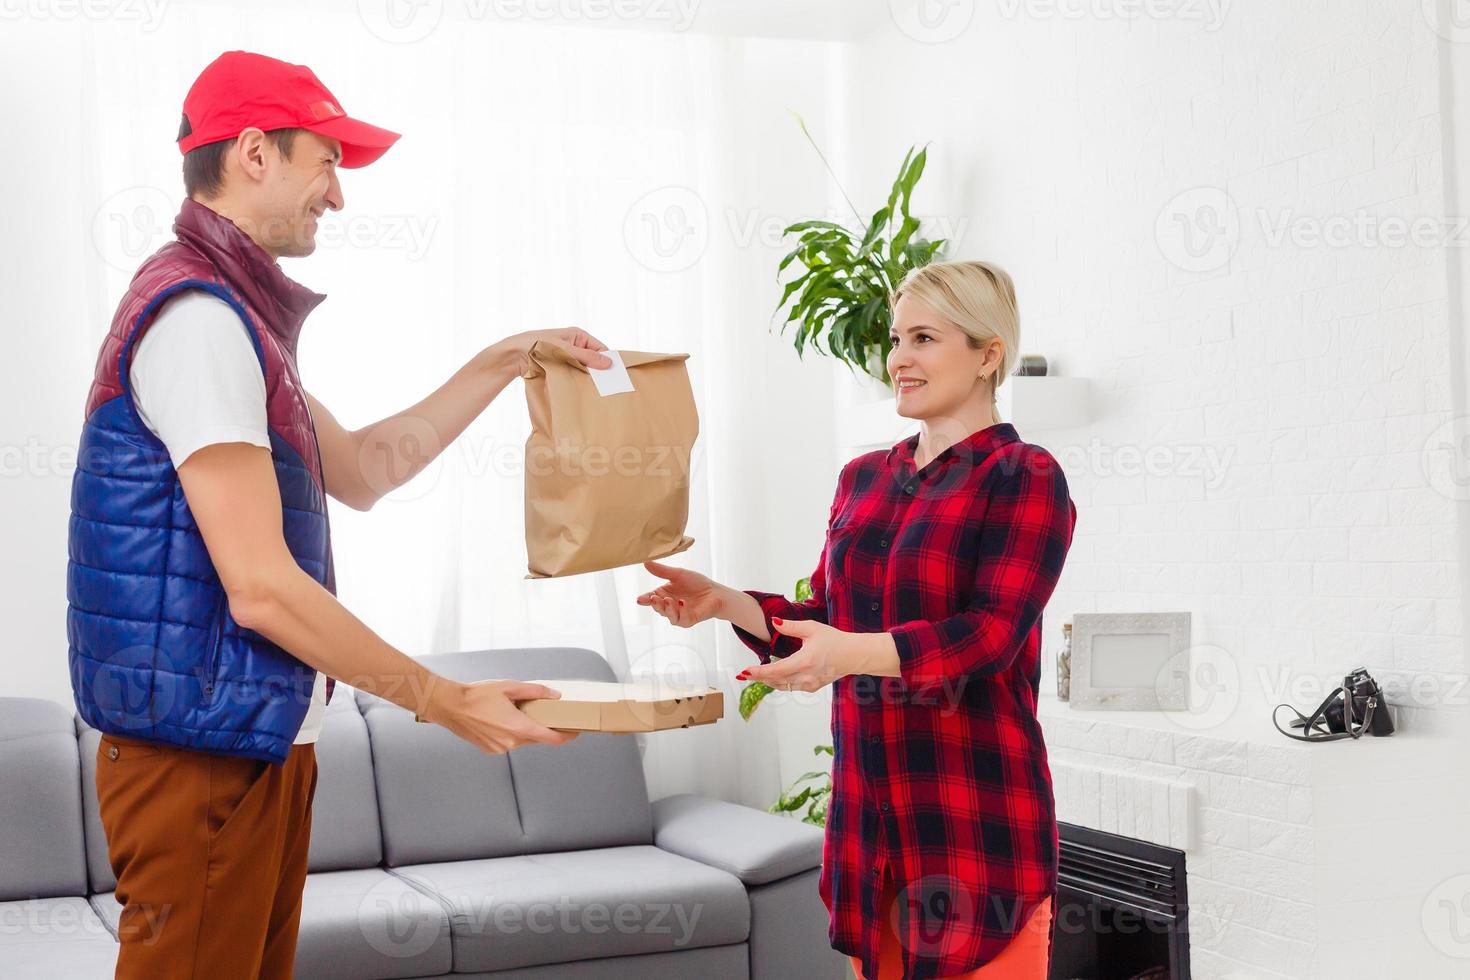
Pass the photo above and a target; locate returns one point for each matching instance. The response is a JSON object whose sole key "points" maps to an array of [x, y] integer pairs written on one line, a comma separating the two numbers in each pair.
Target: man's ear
{"points": [[249, 152]]}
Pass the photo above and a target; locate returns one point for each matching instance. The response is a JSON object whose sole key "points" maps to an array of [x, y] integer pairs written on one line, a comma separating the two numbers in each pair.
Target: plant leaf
{"points": [[751, 697]]}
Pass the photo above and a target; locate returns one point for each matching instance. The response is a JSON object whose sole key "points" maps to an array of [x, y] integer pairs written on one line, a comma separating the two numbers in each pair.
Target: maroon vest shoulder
{"points": [[176, 267]]}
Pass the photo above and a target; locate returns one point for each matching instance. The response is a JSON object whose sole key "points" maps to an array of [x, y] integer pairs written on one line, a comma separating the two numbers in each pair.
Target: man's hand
{"points": [[514, 350], [485, 714]]}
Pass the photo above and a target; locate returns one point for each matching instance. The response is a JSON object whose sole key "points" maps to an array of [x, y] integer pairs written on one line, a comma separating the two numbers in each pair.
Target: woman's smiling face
{"points": [[933, 366]]}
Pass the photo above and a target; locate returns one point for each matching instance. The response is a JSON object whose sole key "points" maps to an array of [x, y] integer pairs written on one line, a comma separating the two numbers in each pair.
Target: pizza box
{"points": [[636, 706]]}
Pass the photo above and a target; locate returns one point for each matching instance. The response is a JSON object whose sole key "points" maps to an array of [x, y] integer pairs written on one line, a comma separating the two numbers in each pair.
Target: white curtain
{"points": [[627, 181]]}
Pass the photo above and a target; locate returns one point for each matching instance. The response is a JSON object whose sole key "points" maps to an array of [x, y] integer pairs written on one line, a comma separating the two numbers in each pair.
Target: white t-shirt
{"points": [[196, 383]]}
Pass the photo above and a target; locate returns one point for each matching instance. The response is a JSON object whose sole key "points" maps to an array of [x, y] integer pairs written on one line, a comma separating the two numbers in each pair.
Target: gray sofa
{"points": [[432, 859]]}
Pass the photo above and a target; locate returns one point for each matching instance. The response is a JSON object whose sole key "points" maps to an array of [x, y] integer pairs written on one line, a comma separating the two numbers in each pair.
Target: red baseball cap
{"points": [[239, 89]]}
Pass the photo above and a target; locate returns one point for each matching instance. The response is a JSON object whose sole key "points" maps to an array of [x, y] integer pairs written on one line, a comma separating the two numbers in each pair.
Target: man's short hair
{"points": [[204, 166]]}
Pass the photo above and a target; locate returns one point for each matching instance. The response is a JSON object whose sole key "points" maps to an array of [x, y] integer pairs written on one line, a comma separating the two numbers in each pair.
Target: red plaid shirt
{"points": [[939, 775]]}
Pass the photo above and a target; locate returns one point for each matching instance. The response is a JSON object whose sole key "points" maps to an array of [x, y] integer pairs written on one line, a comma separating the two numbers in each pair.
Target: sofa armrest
{"points": [[755, 846]]}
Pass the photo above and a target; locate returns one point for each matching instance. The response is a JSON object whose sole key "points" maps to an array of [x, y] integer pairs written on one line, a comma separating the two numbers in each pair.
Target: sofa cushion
{"points": [[754, 846], [441, 799], [722, 962], [364, 924], [369, 925], [41, 850], [56, 938], [344, 811], [553, 908]]}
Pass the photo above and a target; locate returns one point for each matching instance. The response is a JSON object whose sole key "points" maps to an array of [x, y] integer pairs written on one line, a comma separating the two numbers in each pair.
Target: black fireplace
{"points": [[1122, 911]]}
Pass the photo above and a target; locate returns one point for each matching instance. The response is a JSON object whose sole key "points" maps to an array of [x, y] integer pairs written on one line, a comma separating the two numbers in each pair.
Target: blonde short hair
{"points": [[977, 297]]}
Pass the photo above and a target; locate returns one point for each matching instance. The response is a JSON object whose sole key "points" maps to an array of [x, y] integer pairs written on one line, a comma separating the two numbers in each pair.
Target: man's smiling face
{"points": [[296, 191]]}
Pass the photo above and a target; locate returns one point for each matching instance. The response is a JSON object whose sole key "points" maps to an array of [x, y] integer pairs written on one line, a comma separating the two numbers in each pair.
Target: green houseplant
{"points": [[840, 291], [809, 793]]}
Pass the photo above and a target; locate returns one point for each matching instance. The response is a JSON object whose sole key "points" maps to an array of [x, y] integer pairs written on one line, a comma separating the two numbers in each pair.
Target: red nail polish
{"points": [[778, 622]]}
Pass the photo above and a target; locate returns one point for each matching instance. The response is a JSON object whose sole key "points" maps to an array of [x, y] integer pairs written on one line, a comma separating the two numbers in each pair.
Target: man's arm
{"points": [[361, 466], [232, 492]]}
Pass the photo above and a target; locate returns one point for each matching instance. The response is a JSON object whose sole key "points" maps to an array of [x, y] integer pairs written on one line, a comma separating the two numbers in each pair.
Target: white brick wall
{"points": [[1315, 374]]}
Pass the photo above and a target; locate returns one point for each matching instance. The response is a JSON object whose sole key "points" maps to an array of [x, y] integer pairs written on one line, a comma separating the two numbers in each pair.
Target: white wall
{"points": [[1285, 395]]}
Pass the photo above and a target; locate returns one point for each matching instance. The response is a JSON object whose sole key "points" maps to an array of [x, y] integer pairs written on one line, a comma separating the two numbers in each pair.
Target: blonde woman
{"points": [[940, 858]]}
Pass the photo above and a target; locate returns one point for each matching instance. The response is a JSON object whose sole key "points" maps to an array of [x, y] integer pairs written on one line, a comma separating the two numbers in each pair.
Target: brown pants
{"points": [[210, 857]]}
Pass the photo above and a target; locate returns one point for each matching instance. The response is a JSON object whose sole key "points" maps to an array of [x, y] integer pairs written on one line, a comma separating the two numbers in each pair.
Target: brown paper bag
{"points": [[607, 476]]}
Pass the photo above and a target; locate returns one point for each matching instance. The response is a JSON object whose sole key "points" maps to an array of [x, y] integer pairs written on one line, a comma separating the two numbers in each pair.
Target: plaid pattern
{"points": [[940, 776]]}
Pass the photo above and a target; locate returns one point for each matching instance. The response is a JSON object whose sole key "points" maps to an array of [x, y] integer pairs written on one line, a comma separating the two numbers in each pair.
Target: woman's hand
{"points": [[514, 351], [826, 654], [686, 597]]}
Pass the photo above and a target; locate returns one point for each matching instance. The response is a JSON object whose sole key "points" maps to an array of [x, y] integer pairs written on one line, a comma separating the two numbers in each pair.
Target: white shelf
{"points": [[1034, 404]]}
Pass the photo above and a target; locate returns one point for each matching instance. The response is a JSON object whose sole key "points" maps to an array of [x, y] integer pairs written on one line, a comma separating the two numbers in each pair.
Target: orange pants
{"points": [[210, 857], [1026, 958]]}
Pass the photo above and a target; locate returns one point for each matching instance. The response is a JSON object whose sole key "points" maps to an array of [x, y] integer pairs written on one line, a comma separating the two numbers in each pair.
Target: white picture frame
{"points": [[1131, 661]]}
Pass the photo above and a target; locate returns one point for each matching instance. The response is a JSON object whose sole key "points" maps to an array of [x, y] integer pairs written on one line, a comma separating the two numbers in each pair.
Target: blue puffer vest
{"points": [[153, 650]]}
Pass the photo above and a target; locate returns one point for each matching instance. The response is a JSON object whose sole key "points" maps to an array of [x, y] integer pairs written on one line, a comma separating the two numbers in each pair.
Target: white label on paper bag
{"points": [[612, 380]]}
